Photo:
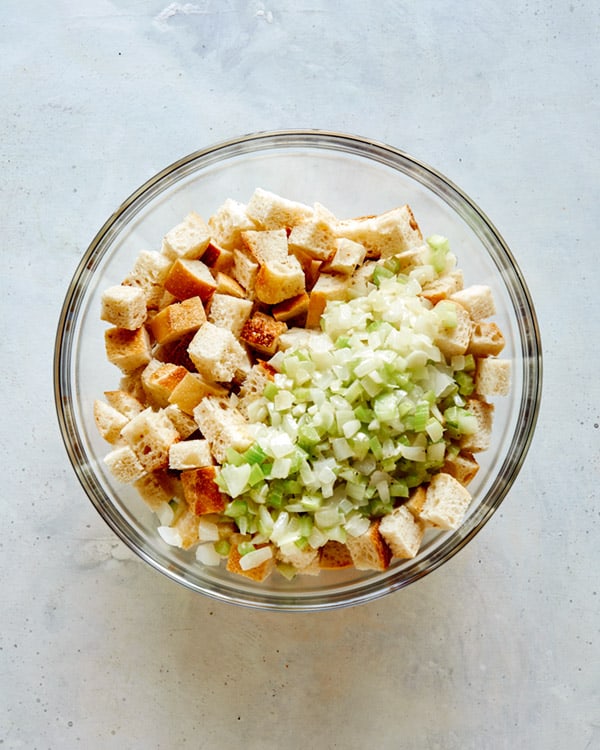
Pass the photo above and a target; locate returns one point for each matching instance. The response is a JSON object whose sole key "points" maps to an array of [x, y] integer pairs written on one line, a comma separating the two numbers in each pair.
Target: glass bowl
{"points": [[351, 176]]}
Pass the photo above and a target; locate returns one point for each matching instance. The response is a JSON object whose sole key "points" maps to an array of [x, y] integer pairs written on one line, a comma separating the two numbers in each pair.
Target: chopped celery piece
{"points": [[222, 547], [245, 547], [236, 508]]}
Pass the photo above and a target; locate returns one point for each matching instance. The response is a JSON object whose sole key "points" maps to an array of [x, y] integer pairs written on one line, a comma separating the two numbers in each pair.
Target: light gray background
{"points": [[499, 649]]}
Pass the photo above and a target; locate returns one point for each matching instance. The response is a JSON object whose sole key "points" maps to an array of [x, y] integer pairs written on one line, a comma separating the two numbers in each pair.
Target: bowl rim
{"points": [[324, 140]]}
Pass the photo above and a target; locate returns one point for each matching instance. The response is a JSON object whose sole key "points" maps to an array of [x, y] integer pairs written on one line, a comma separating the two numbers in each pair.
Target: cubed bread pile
{"points": [[192, 329]]}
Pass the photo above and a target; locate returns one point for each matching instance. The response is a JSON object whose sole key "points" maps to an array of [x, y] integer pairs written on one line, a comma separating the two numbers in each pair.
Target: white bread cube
{"points": [[190, 454], [279, 280], [191, 389], [266, 247], [455, 340], [160, 378], [416, 500], [149, 273], [177, 319], [447, 502], [124, 306], [480, 440], [244, 271], [328, 287], [217, 258], [443, 286], [315, 238], [261, 332], [302, 559], [486, 340], [156, 488], [402, 532], [223, 426], [182, 422], [228, 285], [109, 421], [189, 239], [271, 211], [217, 354], [124, 402], [334, 556], [228, 222], [124, 464], [463, 467], [477, 299], [384, 235], [493, 376], [190, 278], [229, 312], [294, 307], [347, 257], [253, 386], [369, 551], [187, 528], [128, 350], [150, 435]]}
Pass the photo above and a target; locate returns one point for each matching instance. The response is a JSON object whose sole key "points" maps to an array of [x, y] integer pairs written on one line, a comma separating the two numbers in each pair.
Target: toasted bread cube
{"points": [[228, 222], [463, 467], [182, 422], [315, 238], [348, 256], [261, 332], [301, 559], [124, 402], [149, 273], [191, 389], [447, 502], [187, 528], [443, 286], [160, 379], [311, 268], [124, 306], [166, 299], [150, 435], [254, 384], [328, 287], [402, 532], [124, 464], [292, 308], [190, 278], [279, 280], [493, 376], [271, 211], [176, 352], [388, 234], [109, 421], [201, 492], [155, 488], [369, 551], [266, 247], [334, 556], [455, 340], [229, 312], [217, 354], [486, 340], [416, 500], [217, 258], [178, 319], [128, 350], [132, 383], [256, 573], [223, 426], [244, 271], [189, 239], [190, 454], [228, 285], [480, 440], [477, 299]]}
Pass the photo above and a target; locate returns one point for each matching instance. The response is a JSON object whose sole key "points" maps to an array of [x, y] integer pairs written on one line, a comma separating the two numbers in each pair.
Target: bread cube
{"points": [[271, 211], [189, 239], [492, 376], [190, 454], [124, 464], [156, 488], [292, 308], [191, 389], [455, 340], [328, 287], [223, 426], [128, 350], [228, 222], [177, 319], [253, 386], [402, 532], [182, 422], [388, 234], [229, 312], [149, 273], [217, 354], [447, 502], [261, 332], [124, 402], [109, 421], [187, 528], [266, 247], [480, 440], [150, 435], [369, 551], [334, 556], [228, 285], [279, 280], [160, 378], [463, 467], [443, 286], [244, 271], [217, 258], [486, 340], [477, 299], [124, 307], [190, 278], [315, 238], [257, 573], [201, 492], [347, 257]]}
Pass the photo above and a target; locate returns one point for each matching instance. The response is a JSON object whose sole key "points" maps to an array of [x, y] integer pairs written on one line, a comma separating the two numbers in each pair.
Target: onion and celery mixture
{"points": [[362, 413]]}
